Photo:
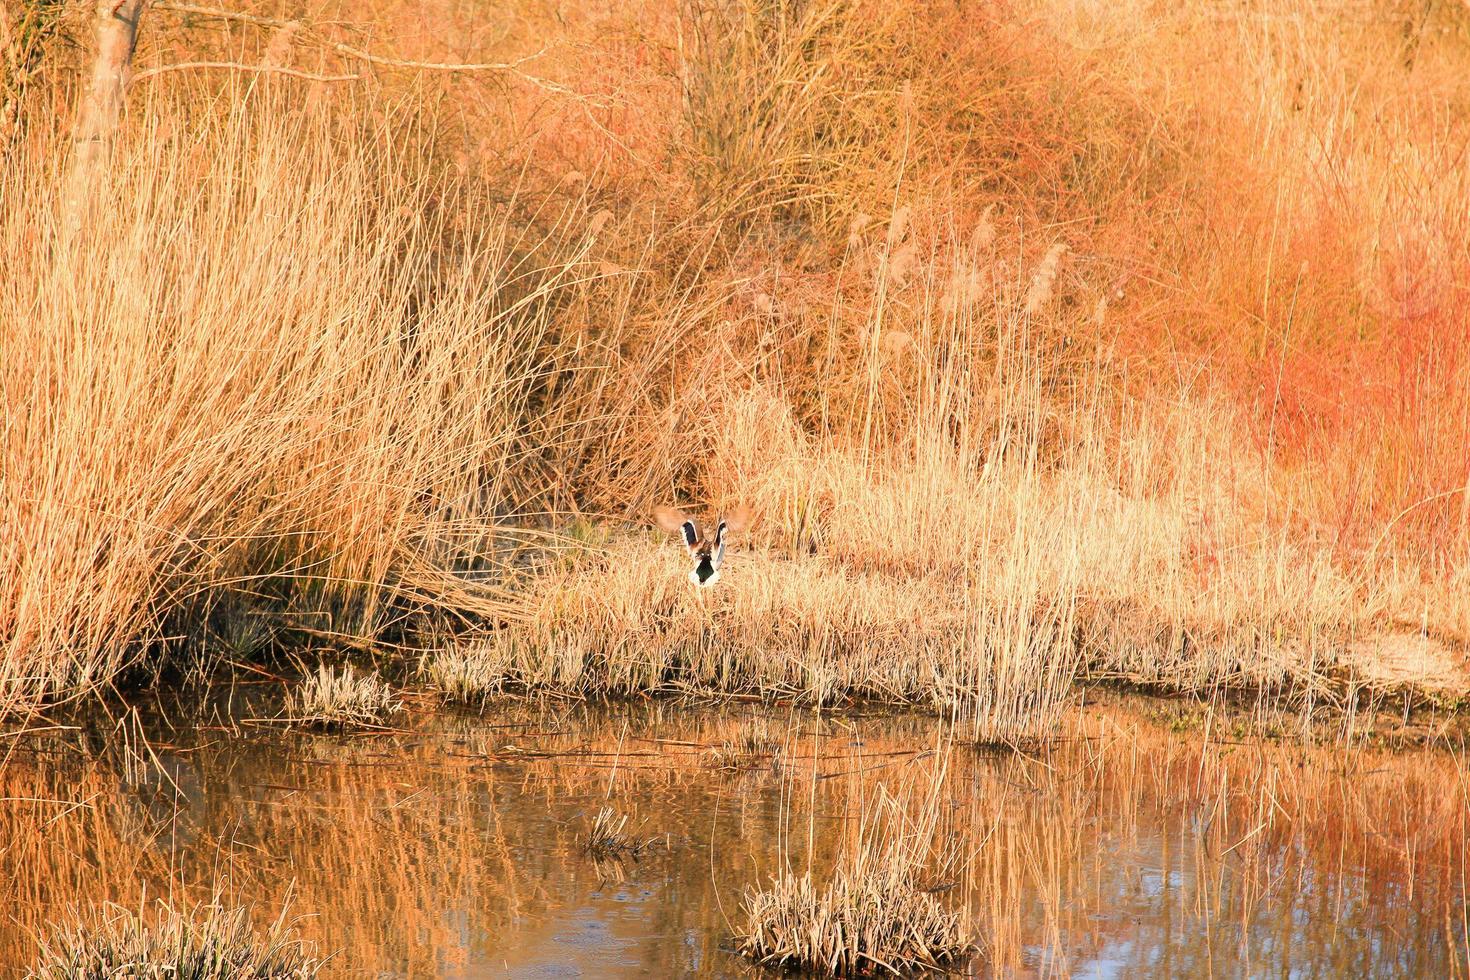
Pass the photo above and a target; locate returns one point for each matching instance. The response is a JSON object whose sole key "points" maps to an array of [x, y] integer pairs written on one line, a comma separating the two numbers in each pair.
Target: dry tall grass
{"points": [[260, 379], [1038, 342]]}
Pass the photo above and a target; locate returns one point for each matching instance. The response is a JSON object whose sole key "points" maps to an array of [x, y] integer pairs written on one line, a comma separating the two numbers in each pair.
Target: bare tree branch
{"points": [[237, 66], [189, 8], [511, 67], [289, 29]]}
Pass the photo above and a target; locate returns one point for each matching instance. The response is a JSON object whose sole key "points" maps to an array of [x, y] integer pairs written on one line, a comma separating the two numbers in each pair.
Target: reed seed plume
{"points": [[1044, 279]]}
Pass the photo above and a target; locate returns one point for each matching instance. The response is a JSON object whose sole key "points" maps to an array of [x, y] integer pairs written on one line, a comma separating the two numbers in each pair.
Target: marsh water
{"points": [[455, 844]]}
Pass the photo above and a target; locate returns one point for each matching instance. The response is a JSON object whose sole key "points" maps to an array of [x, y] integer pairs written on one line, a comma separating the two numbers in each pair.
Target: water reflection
{"points": [[456, 848]]}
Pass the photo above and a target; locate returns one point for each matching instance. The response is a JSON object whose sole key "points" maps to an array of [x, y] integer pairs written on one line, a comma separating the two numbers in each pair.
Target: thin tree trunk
{"points": [[101, 110]]}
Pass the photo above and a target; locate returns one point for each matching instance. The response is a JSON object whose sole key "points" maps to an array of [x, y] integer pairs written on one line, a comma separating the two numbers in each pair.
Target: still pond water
{"points": [[455, 846]]}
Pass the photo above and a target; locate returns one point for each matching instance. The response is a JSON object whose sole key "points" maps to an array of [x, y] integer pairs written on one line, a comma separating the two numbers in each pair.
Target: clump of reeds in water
{"points": [[207, 942], [859, 923], [748, 749], [878, 910], [609, 837], [466, 673], [345, 699]]}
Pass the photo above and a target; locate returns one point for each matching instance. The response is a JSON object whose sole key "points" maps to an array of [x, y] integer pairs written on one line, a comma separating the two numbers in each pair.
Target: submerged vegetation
{"points": [[1043, 341], [207, 942], [749, 747]]}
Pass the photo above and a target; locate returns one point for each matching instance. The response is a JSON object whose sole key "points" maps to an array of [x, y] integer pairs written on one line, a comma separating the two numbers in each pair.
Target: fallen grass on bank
{"points": [[982, 596], [205, 942]]}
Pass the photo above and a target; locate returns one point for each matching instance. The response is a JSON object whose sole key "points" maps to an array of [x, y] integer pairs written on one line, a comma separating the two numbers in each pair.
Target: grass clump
{"points": [[466, 673], [609, 836], [859, 924], [879, 910], [207, 942], [245, 440], [751, 747], [332, 699]]}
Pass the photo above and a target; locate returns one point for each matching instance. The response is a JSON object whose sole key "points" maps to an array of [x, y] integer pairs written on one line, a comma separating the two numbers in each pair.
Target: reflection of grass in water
{"points": [[379, 839], [329, 699], [391, 369], [205, 942]]}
